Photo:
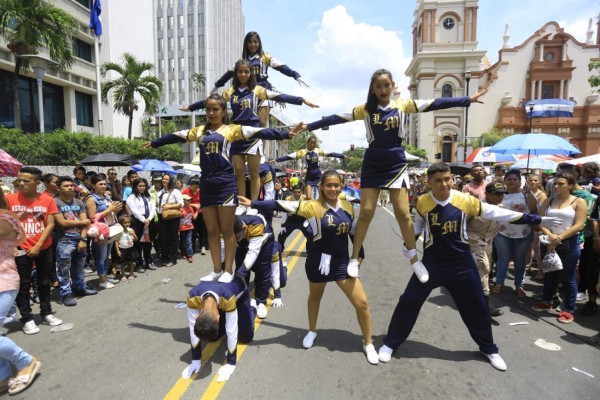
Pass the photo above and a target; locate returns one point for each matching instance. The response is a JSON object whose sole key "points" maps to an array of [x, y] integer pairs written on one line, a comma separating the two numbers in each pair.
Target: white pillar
{"points": [[539, 89], [533, 90], [562, 87], [541, 55]]}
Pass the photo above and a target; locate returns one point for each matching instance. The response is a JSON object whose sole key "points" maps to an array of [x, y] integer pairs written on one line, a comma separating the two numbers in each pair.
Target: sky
{"points": [[337, 45]]}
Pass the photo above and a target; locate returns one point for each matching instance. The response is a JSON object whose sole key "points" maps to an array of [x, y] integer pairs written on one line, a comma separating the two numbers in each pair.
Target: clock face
{"points": [[448, 23], [549, 56]]}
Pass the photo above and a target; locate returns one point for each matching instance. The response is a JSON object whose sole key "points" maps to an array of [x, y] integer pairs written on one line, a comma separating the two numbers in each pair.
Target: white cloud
{"points": [[346, 53], [578, 29]]}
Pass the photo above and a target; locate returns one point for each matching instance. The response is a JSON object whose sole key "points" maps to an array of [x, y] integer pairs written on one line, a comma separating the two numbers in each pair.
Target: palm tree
{"points": [[198, 81], [133, 81], [29, 25]]}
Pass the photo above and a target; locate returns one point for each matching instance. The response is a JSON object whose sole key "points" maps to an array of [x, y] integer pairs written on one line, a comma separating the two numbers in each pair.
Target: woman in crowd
{"points": [[169, 198], [99, 203], [534, 184], [142, 208], [332, 221], [564, 239], [513, 241]]}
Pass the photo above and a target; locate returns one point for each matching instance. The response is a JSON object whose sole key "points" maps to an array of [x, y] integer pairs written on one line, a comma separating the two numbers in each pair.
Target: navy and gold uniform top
{"points": [[385, 128], [260, 65], [244, 103], [226, 296], [311, 157], [444, 225], [331, 228], [293, 216], [256, 235]]}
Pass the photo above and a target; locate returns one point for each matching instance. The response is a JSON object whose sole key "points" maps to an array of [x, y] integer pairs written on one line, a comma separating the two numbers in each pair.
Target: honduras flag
{"points": [[549, 108], [95, 22], [352, 195]]}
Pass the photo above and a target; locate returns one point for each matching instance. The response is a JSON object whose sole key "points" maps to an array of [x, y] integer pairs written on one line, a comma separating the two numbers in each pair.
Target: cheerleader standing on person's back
{"points": [[244, 97], [217, 183], [384, 165], [260, 61]]}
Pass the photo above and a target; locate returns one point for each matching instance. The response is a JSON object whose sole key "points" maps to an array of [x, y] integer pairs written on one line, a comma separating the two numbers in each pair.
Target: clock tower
{"points": [[445, 62]]}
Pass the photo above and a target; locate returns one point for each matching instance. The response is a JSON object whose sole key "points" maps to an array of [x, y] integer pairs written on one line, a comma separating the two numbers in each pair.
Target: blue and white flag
{"points": [[95, 22], [550, 108]]}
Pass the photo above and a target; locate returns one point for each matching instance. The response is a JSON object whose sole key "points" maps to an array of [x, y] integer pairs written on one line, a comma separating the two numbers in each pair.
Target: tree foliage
{"points": [[594, 80], [63, 147], [490, 138], [135, 79], [299, 141]]}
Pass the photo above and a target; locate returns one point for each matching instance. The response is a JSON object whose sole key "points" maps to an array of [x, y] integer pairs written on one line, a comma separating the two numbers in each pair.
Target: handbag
{"points": [[170, 214]]}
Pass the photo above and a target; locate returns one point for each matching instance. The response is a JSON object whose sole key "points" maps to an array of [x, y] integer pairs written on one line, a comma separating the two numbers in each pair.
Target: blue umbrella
{"points": [[535, 163], [534, 144], [154, 166]]}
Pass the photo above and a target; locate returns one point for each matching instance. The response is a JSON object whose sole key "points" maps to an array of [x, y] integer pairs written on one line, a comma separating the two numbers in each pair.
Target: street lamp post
{"points": [[39, 65], [467, 79], [531, 105]]}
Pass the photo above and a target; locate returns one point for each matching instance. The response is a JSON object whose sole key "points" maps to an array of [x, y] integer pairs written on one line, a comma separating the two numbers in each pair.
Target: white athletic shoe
{"points": [[420, 271], [385, 353], [253, 303], [371, 354], [309, 339], [240, 210], [30, 328], [353, 268], [213, 276], [261, 311], [496, 361], [225, 277], [251, 211]]}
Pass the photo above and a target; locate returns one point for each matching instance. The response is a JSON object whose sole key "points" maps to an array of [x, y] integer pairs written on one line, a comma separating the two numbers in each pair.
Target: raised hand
{"points": [[310, 103], [301, 82], [476, 96]]}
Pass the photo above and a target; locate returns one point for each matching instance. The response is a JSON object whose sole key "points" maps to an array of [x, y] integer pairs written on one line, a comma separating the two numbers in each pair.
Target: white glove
{"points": [[301, 82], [277, 303], [191, 369], [549, 222], [225, 372], [409, 253]]}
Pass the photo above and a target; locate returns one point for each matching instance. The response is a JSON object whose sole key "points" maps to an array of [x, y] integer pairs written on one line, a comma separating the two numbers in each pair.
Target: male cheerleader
{"points": [[441, 215], [290, 222]]}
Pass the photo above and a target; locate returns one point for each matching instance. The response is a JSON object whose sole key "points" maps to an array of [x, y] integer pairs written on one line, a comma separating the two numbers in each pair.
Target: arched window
{"points": [[447, 90], [447, 149]]}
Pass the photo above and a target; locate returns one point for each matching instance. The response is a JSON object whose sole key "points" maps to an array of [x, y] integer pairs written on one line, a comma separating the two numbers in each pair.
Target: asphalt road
{"points": [[131, 342]]}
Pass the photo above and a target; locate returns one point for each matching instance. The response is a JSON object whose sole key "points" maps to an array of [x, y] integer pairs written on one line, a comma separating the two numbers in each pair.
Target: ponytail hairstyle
{"points": [[250, 35], [222, 103], [251, 80], [372, 102]]}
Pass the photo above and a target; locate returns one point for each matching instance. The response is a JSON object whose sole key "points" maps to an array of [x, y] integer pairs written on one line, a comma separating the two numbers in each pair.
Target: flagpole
{"points": [[98, 85]]}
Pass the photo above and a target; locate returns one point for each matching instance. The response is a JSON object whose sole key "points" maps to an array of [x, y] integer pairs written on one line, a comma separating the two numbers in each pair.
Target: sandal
{"points": [[21, 382], [538, 277], [497, 289], [131, 276]]}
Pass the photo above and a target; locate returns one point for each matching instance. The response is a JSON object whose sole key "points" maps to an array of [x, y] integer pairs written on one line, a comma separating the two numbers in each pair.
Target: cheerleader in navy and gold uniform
{"points": [[217, 183], [311, 155], [332, 221], [244, 97], [384, 165], [260, 62]]}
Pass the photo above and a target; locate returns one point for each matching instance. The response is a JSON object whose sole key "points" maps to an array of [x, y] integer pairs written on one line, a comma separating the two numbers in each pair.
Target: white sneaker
{"points": [[581, 296], [106, 285], [213, 276], [240, 210], [251, 211], [30, 328], [372, 356], [353, 268], [496, 361], [420, 271], [51, 320], [309, 339], [385, 353], [225, 277], [261, 311]]}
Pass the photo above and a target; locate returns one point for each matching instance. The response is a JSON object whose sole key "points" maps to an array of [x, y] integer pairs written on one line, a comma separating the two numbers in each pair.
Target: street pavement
{"points": [[131, 342]]}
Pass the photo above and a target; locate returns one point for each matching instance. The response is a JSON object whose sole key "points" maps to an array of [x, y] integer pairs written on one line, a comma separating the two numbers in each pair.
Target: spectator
{"points": [[36, 213], [534, 186], [143, 211], [99, 203], [50, 182], [477, 185], [79, 176], [593, 267], [127, 189], [186, 228], [199, 231], [12, 356], [498, 176], [154, 191], [114, 185], [71, 229], [169, 198], [125, 248]]}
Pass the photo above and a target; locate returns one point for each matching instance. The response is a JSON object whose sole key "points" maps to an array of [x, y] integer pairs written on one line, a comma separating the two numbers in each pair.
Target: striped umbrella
{"points": [[482, 154], [9, 166]]}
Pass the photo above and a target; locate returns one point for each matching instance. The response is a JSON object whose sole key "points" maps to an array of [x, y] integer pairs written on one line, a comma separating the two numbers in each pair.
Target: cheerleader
{"points": [[217, 183], [244, 97], [260, 62], [384, 165], [332, 221], [291, 221]]}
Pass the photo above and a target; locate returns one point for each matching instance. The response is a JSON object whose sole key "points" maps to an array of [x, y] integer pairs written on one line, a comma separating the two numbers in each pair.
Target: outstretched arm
{"points": [[223, 80]]}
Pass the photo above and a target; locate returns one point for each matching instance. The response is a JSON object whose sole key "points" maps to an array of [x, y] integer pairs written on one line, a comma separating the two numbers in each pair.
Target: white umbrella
{"points": [[595, 158]]}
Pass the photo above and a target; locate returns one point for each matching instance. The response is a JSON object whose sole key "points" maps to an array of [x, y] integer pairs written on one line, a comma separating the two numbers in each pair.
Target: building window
{"points": [[171, 86], [447, 90], [161, 44], [191, 63], [190, 20], [180, 21], [170, 22], [548, 91], [171, 64], [171, 43], [84, 110], [161, 66], [160, 23], [181, 85], [85, 3], [181, 42], [182, 64], [82, 50], [190, 42], [447, 149], [170, 3]]}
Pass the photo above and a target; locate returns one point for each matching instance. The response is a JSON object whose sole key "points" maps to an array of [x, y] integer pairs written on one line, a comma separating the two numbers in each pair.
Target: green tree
{"points": [[198, 82], [594, 80], [355, 159], [299, 141], [490, 138], [29, 25], [134, 79]]}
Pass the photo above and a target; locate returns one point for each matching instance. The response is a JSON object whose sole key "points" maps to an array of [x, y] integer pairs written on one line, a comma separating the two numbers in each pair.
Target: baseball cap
{"points": [[595, 181], [500, 167], [495, 188], [186, 197]]}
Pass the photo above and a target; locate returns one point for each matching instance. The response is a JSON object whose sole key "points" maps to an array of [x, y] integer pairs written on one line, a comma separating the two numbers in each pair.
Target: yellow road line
{"points": [[214, 388], [182, 385]]}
